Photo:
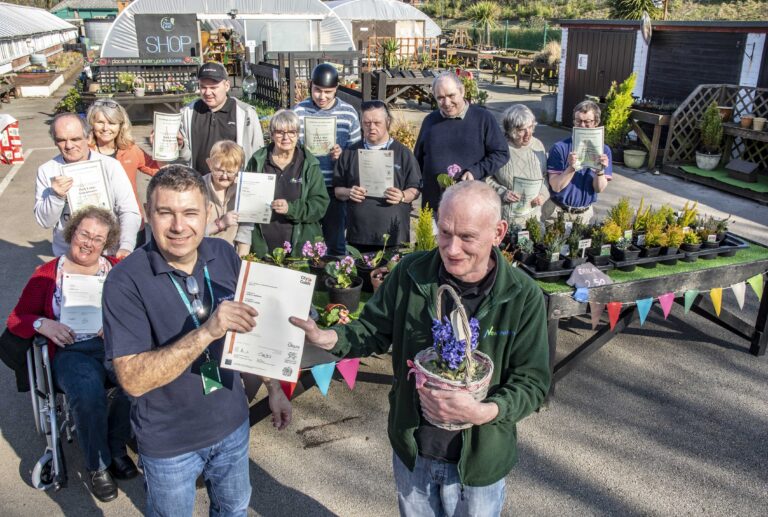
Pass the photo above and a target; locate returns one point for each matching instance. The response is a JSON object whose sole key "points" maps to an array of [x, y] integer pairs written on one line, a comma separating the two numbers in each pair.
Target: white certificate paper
{"points": [[588, 145], [377, 170], [89, 187], [255, 193], [81, 303], [274, 347], [319, 134], [165, 146], [527, 189]]}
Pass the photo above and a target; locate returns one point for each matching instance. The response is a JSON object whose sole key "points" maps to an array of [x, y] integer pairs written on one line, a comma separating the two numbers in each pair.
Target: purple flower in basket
{"points": [[451, 351], [453, 170]]}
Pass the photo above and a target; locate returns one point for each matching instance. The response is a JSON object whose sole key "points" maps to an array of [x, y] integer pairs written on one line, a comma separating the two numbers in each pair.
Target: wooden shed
{"points": [[670, 65]]}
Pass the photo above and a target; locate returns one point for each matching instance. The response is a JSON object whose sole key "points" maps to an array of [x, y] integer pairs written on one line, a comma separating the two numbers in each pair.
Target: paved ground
{"points": [[668, 419]]}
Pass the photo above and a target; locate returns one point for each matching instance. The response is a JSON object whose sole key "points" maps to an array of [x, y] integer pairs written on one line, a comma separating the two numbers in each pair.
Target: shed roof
{"points": [[84, 4], [18, 21], [349, 10], [712, 26]]}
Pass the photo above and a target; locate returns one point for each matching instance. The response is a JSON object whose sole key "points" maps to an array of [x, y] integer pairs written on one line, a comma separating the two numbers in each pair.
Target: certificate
{"points": [[588, 145], [81, 303], [377, 170], [319, 134], [255, 193], [527, 189], [89, 187], [165, 146], [274, 347]]}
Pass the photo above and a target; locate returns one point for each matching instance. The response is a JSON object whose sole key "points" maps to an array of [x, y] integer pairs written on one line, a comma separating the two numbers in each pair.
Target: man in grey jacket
{"points": [[217, 116]]}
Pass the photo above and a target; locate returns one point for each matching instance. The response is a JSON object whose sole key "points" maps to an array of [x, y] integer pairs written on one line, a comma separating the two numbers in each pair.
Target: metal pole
{"points": [[506, 32], [546, 26]]}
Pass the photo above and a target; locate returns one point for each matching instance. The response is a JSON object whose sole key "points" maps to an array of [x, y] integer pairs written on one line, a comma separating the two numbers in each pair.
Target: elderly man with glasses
{"points": [[574, 191]]}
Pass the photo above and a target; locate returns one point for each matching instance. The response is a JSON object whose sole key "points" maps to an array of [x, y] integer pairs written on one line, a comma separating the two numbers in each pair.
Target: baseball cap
{"points": [[213, 71]]}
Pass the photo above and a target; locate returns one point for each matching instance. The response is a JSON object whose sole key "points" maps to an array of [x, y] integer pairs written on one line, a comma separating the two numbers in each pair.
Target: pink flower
{"points": [[453, 170], [321, 249], [287, 247], [307, 250]]}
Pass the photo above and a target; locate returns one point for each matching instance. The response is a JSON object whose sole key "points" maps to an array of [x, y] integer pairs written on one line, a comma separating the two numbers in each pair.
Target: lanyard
{"points": [[185, 299]]}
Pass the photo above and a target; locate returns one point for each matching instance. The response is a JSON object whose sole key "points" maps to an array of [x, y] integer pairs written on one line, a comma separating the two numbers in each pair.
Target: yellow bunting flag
{"points": [[757, 284], [717, 298]]}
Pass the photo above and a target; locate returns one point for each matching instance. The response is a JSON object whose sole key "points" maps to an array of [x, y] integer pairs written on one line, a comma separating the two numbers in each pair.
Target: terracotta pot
{"points": [[725, 113], [746, 121]]}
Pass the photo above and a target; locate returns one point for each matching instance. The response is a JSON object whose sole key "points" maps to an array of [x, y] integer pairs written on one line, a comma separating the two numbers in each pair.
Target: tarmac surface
{"points": [[668, 419]]}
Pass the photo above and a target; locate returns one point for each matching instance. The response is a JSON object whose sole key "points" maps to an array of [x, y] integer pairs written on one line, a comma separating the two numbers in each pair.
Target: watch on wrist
{"points": [[37, 324]]}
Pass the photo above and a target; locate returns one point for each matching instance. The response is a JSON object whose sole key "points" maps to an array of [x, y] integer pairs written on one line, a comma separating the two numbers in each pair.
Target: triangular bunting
{"points": [[666, 300], [348, 369], [323, 373], [288, 388], [739, 290], [690, 296], [614, 308], [643, 307], [595, 311], [717, 298], [757, 284]]}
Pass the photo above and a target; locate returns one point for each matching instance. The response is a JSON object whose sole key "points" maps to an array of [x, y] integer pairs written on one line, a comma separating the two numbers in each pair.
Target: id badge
{"points": [[209, 372]]}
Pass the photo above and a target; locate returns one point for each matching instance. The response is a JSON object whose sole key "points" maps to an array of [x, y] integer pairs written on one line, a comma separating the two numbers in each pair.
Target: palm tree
{"points": [[485, 14], [633, 9]]}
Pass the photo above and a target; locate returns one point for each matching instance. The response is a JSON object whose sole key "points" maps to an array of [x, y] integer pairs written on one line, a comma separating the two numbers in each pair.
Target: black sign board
{"points": [[166, 36]]}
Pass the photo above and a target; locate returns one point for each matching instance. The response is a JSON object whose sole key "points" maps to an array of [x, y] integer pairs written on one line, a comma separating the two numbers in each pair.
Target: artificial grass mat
{"points": [[722, 176]]}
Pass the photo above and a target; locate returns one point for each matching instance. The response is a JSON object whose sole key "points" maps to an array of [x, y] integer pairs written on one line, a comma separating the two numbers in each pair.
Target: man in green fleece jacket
{"points": [[441, 472]]}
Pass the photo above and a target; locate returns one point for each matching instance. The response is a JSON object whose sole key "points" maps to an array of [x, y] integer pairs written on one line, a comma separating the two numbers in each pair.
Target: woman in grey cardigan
{"points": [[522, 181]]}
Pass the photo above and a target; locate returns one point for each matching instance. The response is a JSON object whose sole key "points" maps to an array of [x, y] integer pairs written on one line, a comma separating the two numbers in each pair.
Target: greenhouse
{"points": [[383, 19]]}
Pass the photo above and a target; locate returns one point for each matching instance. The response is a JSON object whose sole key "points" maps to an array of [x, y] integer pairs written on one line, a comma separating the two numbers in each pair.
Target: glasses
{"points": [[86, 237], [109, 103], [583, 122], [194, 289], [223, 173], [280, 134]]}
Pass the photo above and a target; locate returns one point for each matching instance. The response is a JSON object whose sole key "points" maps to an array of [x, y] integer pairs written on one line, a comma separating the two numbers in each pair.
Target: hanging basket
{"points": [[477, 387]]}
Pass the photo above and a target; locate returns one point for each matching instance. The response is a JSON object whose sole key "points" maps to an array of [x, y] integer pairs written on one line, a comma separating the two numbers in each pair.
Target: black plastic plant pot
{"points": [[593, 255], [631, 253], [543, 263], [348, 297], [690, 248], [571, 263], [364, 272], [526, 258], [650, 251]]}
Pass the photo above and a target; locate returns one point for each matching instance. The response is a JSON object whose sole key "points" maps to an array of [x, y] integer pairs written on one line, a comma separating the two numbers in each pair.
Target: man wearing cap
{"points": [[324, 103], [214, 117]]}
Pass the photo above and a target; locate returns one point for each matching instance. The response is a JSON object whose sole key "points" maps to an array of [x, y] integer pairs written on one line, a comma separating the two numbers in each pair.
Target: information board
{"points": [[167, 36]]}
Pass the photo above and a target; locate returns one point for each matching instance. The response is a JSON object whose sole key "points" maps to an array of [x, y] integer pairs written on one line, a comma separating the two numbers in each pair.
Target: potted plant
{"points": [[425, 238], [389, 48], [623, 250], [125, 81], [670, 241], [709, 154], [691, 242], [595, 253], [379, 274], [139, 86], [342, 283], [575, 256], [618, 107], [315, 254], [453, 363], [533, 227], [549, 259], [524, 252], [368, 262]]}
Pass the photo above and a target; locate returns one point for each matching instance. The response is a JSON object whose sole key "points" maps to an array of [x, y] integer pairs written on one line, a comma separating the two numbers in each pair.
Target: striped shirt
{"points": [[347, 128]]}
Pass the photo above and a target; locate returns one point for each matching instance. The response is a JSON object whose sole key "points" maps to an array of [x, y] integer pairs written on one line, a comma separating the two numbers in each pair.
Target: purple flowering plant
{"points": [[314, 252], [451, 360], [342, 271], [280, 256], [450, 176], [372, 260]]}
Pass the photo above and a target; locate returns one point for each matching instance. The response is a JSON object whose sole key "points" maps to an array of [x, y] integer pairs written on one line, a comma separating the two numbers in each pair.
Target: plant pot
{"points": [[319, 272], [593, 255], [348, 297], [571, 263], [526, 258], [617, 155], [94, 88], [669, 250], [746, 121], [543, 263], [634, 158], [631, 253], [706, 245], [758, 123], [649, 251], [725, 113], [706, 161], [364, 272], [690, 248]]}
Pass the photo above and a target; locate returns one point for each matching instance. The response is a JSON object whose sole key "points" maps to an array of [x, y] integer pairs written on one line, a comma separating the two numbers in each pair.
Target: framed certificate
{"points": [[90, 186], [81, 303], [319, 134], [165, 146], [588, 145], [376, 169], [527, 189], [254, 196], [274, 347]]}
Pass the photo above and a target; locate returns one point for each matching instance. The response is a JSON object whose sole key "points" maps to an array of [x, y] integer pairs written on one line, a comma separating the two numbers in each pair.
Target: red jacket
{"points": [[36, 301]]}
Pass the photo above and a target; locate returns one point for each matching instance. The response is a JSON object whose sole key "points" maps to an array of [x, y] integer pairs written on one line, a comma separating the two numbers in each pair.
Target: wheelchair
{"points": [[53, 418]]}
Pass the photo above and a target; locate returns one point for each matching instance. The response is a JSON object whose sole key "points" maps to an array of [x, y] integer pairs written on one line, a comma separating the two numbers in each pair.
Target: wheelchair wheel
{"points": [[43, 475]]}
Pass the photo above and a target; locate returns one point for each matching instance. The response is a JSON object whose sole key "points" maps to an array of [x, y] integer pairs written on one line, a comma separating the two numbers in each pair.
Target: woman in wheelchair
{"points": [[79, 369]]}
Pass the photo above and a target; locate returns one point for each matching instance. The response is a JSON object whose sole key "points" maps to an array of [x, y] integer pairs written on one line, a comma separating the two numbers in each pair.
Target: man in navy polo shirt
{"points": [[167, 308], [574, 191]]}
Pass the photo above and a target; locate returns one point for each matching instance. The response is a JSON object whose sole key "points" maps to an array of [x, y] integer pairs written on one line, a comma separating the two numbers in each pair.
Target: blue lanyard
{"points": [[185, 298]]}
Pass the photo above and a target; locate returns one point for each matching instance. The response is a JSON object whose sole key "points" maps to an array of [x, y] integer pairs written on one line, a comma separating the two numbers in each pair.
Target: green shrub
{"points": [[711, 129], [618, 106]]}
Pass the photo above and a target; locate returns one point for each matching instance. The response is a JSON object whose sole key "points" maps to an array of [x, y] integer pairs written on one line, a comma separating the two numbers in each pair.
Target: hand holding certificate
{"points": [[274, 347], [319, 134], [255, 193], [376, 169], [165, 146], [81, 303], [527, 189], [89, 187], [588, 145]]}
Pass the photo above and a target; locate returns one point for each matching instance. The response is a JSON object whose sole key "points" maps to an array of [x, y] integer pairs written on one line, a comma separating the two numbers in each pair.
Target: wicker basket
{"points": [[477, 388]]}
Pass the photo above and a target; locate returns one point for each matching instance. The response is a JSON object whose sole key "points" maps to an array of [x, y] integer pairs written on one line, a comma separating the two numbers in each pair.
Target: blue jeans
{"points": [[170, 482], [433, 488], [103, 426], [334, 225]]}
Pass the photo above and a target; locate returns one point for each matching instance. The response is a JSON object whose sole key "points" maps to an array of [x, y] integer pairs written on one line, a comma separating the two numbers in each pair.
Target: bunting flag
{"points": [[739, 290], [614, 308], [717, 298], [690, 296], [757, 284], [323, 373], [666, 300], [348, 369], [595, 311], [643, 307], [288, 388]]}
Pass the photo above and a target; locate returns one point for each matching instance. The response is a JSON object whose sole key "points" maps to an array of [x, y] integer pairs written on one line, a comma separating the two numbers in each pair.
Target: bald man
{"points": [[510, 310]]}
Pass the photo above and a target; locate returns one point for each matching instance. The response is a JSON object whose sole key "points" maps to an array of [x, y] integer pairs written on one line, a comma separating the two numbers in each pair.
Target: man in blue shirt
{"points": [[167, 308], [573, 190]]}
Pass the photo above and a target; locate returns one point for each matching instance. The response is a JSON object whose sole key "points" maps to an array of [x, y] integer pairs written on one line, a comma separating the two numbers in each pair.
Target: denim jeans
{"points": [[170, 482], [434, 489], [334, 225], [103, 426]]}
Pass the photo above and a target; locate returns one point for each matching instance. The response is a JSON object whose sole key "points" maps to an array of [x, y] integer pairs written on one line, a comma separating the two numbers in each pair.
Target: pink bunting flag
{"points": [[595, 311], [757, 284], [614, 308], [666, 300], [348, 369], [717, 298], [643, 308], [323, 373], [288, 388], [739, 290]]}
